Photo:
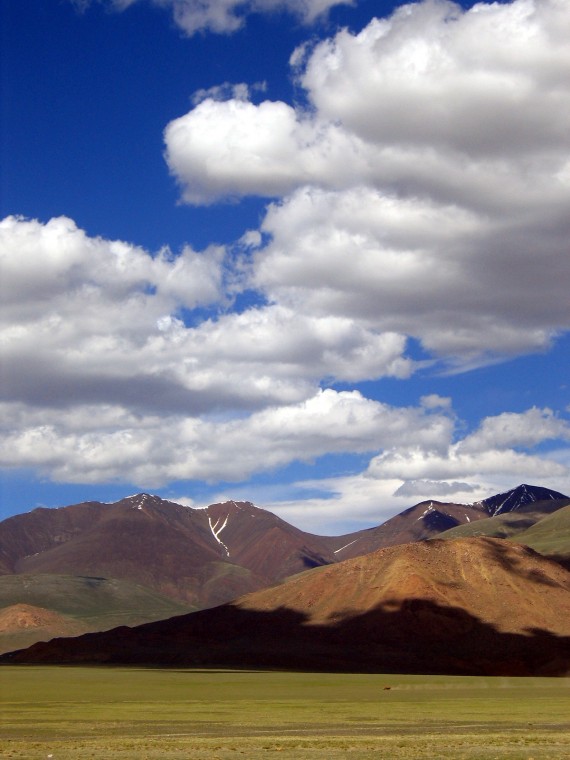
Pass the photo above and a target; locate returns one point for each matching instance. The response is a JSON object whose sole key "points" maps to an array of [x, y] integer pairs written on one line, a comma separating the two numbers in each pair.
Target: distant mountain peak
{"points": [[232, 503], [511, 501], [141, 498]]}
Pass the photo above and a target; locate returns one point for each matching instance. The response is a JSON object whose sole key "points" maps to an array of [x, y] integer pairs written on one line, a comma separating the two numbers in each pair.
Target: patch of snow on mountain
{"points": [[216, 532], [336, 551], [429, 509]]}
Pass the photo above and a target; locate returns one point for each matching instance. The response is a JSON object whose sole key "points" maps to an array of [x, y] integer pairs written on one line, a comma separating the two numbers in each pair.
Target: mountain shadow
{"points": [[411, 636]]}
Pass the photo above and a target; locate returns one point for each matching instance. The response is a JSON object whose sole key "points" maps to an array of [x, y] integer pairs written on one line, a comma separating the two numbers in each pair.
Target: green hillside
{"points": [[99, 602], [550, 536], [501, 526]]}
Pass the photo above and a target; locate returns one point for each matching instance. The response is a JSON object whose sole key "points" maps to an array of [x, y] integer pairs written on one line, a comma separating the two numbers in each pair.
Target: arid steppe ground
{"points": [[53, 713]]}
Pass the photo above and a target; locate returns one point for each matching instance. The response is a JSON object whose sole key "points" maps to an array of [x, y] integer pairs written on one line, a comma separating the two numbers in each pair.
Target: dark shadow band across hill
{"points": [[562, 559], [516, 565], [416, 636]]}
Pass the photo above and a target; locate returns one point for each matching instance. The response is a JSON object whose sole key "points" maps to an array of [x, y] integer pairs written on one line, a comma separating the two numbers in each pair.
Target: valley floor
{"points": [[51, 713]]}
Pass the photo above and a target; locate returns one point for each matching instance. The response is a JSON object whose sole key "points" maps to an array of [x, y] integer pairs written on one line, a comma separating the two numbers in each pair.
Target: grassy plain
{"points": [[145, 714]]}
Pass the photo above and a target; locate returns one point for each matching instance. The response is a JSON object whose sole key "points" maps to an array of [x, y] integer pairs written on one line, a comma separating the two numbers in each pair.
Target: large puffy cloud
{"points": [[87, 320], [467, 287], [232, 148], [103, 380], [417, 464], [500, 445], [55, 262], [517, 430], [80, 315], [489, 82], [425, 189], [480, 95], [224, 16], [88, 444]]}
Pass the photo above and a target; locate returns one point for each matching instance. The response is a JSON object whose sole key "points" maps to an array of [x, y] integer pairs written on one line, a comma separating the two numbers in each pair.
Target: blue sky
{"points": [[310, 254]]}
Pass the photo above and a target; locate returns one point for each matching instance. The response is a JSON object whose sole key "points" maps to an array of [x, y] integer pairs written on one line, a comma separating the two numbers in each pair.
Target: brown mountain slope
{"points": [[178, 550], [497, 582], [424, 520], [431, 518], [264, 543], [202, 557], [26, 617], [468, 606]]}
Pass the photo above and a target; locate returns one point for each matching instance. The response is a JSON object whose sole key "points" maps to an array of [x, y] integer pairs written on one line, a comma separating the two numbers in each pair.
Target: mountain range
{"points": [[465, 606], [145, 558]]}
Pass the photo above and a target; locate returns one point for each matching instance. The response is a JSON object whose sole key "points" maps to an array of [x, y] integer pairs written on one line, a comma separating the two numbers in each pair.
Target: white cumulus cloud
{"points": [[425, 187], [517, 430], [86, 319], [84, 445]]}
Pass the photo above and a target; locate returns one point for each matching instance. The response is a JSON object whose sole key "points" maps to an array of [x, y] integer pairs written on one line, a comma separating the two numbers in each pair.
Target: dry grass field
{"points": [[51, 713]]}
